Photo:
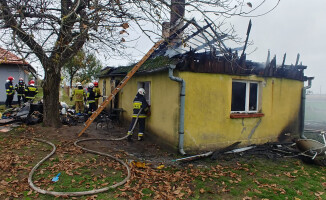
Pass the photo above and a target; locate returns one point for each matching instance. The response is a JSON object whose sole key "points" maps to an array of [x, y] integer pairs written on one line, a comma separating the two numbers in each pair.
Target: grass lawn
{"points": [[243, 178]]}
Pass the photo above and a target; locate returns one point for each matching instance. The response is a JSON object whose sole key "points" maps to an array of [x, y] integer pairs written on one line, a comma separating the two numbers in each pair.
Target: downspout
{"points": [[182, 107], [303, 107]]}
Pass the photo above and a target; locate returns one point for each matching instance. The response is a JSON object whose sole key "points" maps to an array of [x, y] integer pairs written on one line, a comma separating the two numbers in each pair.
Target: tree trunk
{"points": [[51, 105], [70, 87]]}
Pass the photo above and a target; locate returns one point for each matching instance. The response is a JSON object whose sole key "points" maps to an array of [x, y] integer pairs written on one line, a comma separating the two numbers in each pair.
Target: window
{"points": [[245, 97], [147, 86]]}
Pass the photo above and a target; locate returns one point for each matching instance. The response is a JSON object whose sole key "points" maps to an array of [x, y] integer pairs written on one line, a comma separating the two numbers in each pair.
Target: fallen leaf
{"points": [[160, 167], [50, 188], [139, 164], [201, 190], [319, 194], [104, 184]]}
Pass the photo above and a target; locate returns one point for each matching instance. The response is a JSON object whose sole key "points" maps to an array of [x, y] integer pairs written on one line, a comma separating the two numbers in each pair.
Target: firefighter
{"points": [[79, 96], [98, 93], [20, 88], [10, 91], [30, 91], [140, 108], [91, 98]]}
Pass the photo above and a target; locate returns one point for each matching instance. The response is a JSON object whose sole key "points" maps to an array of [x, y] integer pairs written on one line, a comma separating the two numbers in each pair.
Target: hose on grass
{"points": [[80, 193]]}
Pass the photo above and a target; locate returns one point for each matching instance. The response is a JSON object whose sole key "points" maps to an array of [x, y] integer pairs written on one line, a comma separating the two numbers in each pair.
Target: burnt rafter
{"points": [[220, 60], [206, 63]]}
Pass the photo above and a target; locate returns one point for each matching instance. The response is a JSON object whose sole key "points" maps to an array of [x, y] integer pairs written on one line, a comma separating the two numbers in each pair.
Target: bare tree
{"points": [[55, 30]]}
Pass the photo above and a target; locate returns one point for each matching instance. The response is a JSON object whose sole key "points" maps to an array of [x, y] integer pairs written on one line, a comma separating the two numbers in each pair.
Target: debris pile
{"points": [[267, 150], [32, 113]]}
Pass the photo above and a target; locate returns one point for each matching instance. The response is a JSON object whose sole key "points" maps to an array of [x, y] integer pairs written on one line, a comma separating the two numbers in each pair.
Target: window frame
{"points": [[141, 84], [258, 101]]}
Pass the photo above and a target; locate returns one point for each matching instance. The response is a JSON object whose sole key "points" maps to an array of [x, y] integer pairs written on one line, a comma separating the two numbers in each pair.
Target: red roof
{"points": [[6, 57]]}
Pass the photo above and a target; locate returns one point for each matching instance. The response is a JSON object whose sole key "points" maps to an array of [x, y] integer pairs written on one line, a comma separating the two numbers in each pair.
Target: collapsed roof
{"points": [[203, 51]]}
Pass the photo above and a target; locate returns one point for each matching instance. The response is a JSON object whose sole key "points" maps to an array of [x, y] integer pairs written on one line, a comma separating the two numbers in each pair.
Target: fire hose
{"points": [[81, 193]]}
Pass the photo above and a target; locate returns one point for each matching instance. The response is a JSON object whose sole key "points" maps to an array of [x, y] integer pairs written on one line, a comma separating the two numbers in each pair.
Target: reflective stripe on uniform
{"points": [[140, 134], [137, 104], [140, 116], [32, 89]]}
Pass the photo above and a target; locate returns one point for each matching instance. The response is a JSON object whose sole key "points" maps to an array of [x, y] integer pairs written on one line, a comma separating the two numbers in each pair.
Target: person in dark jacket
{"points": [[30, 91], [91, 94], [140, 109], [10, 91], [98, 93], [20, 88]]}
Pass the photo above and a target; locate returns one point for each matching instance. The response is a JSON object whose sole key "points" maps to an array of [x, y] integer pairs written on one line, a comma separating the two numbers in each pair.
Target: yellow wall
{"points": [[207, 111], [208, 103], [163, 122]]}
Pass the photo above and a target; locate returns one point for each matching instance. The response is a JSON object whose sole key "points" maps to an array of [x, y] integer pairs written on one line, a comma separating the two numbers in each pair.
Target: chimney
{"points": [[176, 18]]}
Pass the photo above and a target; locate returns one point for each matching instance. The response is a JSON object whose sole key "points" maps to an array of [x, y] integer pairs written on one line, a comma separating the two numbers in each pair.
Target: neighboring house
{"points": [[12, 65], [225, 101]]}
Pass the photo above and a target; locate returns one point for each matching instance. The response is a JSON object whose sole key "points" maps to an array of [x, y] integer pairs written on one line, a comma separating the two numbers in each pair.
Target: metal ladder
{"points": [[119, 87]]}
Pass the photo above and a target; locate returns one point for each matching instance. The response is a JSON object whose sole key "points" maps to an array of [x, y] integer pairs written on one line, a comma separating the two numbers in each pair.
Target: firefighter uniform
{"points": [[20, 88], [30, 92], [140, 109], [97, 96], [79, 96], [91, 99], [10, 92]]}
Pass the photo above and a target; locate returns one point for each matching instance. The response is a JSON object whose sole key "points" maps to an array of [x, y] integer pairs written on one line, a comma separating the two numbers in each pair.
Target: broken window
{"points": [[147, 86], [244, 97]]}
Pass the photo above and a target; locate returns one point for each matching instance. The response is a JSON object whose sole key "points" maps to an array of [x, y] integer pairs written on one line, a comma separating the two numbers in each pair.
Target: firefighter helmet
{"points": [[90, 85], [10, 78], [21, 79], [141, 91], [78, 84], [95, 83], [31, 82]]}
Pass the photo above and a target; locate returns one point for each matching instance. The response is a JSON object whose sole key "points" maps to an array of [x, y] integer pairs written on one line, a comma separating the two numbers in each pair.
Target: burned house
{"points": [[211, 101], [205, 96]]}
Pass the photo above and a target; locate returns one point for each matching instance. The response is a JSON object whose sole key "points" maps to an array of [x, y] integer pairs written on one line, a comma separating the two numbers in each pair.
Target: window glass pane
{"points": [[253, 97], [238, 96]]}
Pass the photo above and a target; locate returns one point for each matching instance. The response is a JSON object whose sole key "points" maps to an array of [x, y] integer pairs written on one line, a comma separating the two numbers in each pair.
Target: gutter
{"points": [[182, 107], [303, 106]]}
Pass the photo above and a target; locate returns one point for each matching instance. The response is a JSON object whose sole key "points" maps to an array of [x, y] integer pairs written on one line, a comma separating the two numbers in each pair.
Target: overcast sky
{"points": [[295, 26]]}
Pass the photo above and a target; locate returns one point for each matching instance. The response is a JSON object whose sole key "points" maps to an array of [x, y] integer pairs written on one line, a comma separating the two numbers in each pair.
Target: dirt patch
{"points": [[145, 151]]}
